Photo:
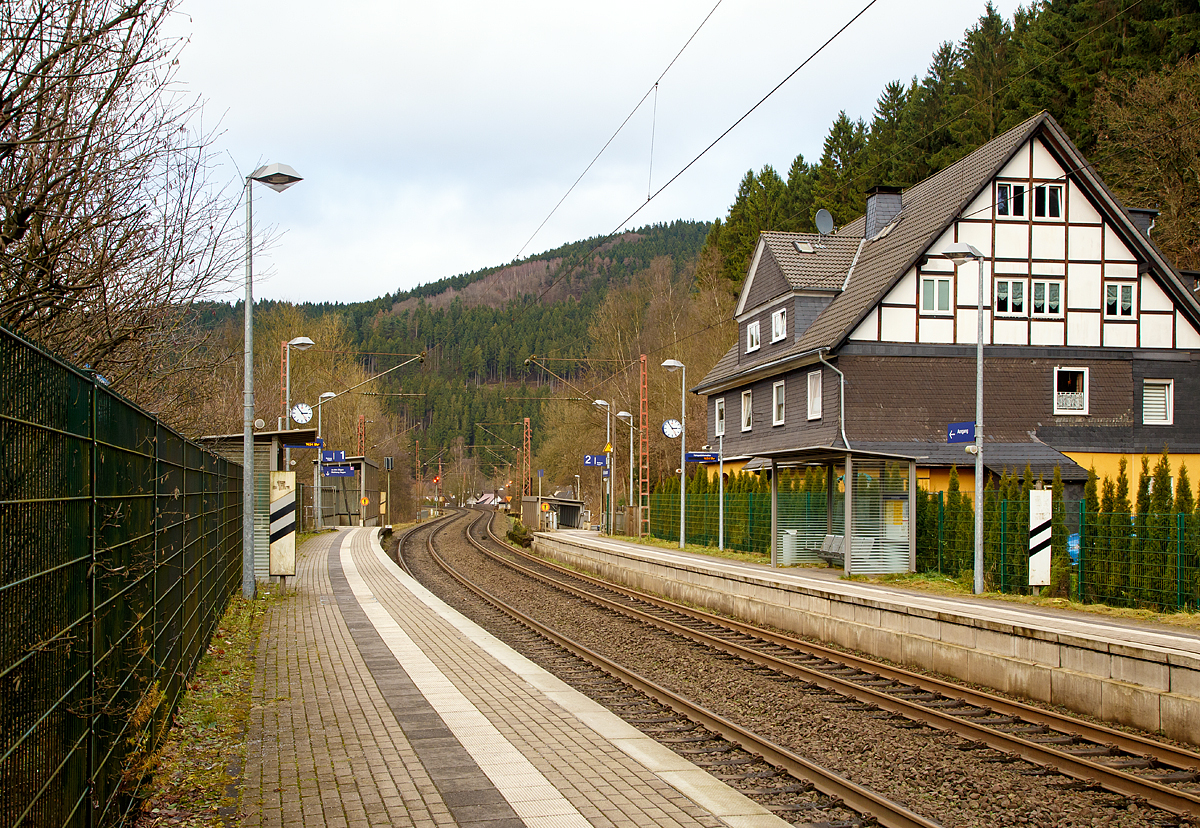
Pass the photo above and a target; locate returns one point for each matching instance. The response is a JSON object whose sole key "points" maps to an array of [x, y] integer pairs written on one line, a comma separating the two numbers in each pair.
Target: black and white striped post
{"points": [[1040, 514]]}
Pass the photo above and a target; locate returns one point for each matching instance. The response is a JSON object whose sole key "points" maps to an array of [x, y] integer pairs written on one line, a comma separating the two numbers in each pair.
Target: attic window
{"points": [[803, 247]]}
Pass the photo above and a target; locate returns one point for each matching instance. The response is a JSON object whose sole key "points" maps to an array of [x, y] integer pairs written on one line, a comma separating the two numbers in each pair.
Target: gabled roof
{"points": [[929, 209]]}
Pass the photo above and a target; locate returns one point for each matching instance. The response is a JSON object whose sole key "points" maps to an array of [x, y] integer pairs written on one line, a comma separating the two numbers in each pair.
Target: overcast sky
{"points": [[435, 137]]}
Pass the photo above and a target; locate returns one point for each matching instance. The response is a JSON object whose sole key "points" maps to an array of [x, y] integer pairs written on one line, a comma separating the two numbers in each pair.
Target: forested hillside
{"points": [[1117, 75]]}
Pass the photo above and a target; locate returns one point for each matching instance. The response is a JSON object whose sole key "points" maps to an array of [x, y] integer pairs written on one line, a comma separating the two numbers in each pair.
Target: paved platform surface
{"points": [[376, 704], [1065, 621]]}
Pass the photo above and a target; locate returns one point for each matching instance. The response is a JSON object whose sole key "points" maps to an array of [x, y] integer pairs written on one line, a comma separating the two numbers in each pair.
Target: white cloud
{"points": [[435, 137]]}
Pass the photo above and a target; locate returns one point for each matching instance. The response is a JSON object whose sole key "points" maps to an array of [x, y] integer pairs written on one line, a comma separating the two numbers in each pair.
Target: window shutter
{"points": [[1155, 403]]}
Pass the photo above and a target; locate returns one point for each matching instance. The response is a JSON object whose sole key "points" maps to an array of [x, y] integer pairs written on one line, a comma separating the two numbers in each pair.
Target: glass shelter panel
{"points": [[804, 518], [881, 520]]}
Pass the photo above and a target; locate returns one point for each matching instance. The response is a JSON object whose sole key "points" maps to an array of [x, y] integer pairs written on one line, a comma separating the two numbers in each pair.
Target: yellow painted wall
{"points": [[1108, 465]]}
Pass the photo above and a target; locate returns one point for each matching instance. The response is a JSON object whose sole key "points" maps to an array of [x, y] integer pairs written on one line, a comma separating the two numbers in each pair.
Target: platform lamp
{"points": [[278, 177], [628, 418], [961, 253], [674, 365], [300, 343], [320, 521], [606, 489]]}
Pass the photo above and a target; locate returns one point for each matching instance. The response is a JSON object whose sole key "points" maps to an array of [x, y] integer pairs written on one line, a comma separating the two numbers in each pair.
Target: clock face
{"points": [[301, 413], [672, 428]]}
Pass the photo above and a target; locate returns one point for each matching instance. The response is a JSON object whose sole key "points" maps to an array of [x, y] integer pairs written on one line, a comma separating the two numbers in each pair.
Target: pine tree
{"points": [[838, 185]]}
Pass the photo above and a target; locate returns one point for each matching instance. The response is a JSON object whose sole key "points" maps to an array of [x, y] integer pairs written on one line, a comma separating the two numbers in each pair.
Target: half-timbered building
{"points": [[861, 344]]}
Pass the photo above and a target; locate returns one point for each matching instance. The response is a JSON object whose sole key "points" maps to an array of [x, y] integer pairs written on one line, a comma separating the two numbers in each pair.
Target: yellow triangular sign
{"points": [[608, 449]]}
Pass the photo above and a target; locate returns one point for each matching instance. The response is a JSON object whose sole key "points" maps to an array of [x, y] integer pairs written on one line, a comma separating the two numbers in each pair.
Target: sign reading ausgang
{"points": [[960, 432]]}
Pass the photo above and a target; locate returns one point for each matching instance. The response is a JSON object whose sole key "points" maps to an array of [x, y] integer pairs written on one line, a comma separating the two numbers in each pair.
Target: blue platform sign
{"points": [[960, 432], [700, 457], [333, 456], [338, 471], [595, 460]]}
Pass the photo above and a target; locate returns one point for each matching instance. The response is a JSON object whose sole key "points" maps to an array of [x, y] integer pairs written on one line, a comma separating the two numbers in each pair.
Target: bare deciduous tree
{"points": [[110, 226]]}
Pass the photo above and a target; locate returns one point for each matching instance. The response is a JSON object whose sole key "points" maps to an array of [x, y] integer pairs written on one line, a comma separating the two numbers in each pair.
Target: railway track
{"points": [[1094, 757]]}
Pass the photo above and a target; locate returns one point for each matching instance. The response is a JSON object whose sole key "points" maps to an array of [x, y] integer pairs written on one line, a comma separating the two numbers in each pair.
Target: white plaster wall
{"points": [[1156, 331], [1018, 165], [967, 324], [1044, 165], [1083, 286], [935, 249], [1011, 268], [1049, 241], [1186, 336], [1010, 331], [1117, 335], [868, 329], [905, 291], [1083, 329], [1012, 240], [1115, 249], [939, 331], [1153, 296], [898, 325], [1047, 332], [1054, 269], [1083, 243], [1120, 270], [1079, 209], [979, 235], [981, 207]]}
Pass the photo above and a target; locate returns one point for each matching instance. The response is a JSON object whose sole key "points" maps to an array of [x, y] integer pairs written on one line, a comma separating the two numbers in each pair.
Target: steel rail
{"points": [[862, 800], [1127, 784]]}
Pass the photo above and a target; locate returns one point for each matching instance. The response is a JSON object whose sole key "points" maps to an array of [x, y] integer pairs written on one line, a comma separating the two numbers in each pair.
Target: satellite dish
{"points": [[824, 222]]}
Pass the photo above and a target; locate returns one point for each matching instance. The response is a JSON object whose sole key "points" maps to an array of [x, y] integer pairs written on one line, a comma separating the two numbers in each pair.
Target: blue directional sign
{"points": [[595, 460], [700, 457], [333, 456], [960, 432], [338, 471]]}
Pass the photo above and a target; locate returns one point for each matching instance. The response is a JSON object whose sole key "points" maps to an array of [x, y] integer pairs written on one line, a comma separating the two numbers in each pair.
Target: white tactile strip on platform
{"points": [[720, 800]]}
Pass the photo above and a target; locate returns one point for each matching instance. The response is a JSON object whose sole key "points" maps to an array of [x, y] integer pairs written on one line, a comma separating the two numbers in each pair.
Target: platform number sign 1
{"points": [[1040, 510]]}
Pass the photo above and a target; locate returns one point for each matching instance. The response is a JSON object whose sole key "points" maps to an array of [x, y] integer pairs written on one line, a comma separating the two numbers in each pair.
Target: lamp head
{"points": [[672, 365], [301, 343], [276, 176], [600, 404], [626, 416], [328, 395], [960, 252]]}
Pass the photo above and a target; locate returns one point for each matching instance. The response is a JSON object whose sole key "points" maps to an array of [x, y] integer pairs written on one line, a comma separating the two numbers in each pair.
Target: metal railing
{"points": [[120, 546]]}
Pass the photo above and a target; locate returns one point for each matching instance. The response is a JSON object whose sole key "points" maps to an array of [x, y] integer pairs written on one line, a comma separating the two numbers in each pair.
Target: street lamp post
{"points": [[320, 519], [673, 365], [960, 253], [627, 417], [607, 487], [300, 343], [278, 177]]}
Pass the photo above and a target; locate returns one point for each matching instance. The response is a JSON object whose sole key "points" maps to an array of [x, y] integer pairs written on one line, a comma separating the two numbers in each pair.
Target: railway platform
{"points": [[377, 704], [1127, 672]]}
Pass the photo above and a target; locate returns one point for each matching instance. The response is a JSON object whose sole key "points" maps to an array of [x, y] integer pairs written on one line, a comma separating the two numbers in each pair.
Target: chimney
{"points": [[1143, 218], [883, 205]]}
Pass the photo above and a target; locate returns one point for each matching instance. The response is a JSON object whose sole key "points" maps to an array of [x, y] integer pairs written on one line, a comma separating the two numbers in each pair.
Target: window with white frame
{"points": [[752, 340], [1118, 300], [747, 410], [1010, 297], [779, 324], [1047, 297], [935, 293], [777, 397], [1070, 390], [719, 418], [1048, 201], [814, 395], [1158, 402], [1010, 200]]}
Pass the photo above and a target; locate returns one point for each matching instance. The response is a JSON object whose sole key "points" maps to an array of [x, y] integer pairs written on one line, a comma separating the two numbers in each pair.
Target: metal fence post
{"points": [[1180, 525], [1080, 568], [1003, 546], [941, 529]]}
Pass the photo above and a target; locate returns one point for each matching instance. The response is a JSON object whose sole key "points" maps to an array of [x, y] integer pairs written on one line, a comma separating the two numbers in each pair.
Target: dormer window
{"points": [[752, 339], [779, 325]]}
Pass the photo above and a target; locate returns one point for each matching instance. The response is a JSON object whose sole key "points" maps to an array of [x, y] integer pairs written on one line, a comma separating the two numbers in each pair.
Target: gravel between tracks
{"points": [[933, 773]]}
